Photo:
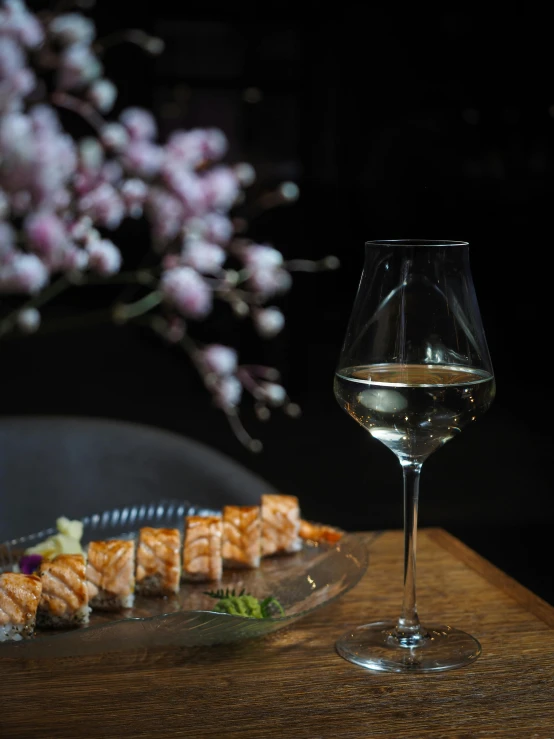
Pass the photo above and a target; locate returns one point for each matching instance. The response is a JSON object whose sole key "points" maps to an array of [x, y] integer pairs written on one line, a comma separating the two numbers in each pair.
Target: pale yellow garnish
{"points": [[74, 529], [66, 541]]}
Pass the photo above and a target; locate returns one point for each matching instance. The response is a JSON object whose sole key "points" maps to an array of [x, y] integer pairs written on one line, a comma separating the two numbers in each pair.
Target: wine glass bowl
{"points": [[414, 370]]}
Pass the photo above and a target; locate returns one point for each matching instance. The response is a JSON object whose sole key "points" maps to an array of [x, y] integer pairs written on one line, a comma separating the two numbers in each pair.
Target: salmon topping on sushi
{"points": [[280, 524], [202, 559], [111, 574], [242, 536], [158, 561], [64, 599], [19, 599], [319, 532]]}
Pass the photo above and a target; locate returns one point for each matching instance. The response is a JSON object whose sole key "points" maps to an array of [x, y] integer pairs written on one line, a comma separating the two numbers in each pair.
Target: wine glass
{"points": [[414, 370]]}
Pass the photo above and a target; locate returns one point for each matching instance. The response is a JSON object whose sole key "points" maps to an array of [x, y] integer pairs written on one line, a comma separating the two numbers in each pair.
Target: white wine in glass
{"points": [[414, 370]]}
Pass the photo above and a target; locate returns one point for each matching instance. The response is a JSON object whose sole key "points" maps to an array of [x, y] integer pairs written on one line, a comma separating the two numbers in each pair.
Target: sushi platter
{"points": [[171, 573]]}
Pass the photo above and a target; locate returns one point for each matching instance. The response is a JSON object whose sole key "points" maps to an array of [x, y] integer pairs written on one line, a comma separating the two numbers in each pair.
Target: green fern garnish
{"points": [[244, 604]]}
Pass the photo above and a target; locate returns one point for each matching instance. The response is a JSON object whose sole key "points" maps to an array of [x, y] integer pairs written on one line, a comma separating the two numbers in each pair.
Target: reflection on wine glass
{"points": [[414, 370]]}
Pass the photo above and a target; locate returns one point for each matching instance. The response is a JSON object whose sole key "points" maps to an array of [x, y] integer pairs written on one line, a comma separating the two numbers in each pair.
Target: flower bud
{"points": [[219, 359]]}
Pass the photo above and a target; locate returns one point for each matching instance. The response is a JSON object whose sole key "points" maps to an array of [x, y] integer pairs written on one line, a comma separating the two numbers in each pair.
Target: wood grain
{"points": [[293, 685]]}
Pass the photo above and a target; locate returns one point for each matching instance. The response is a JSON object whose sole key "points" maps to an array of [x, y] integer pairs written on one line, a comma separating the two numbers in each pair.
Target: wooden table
{"points": [[292, 684]]}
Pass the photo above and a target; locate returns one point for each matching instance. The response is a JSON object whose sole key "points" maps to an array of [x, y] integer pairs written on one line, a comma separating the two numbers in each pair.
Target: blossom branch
{"points": [[52, 291], [151, 44], [125, 312], [85, 110], [59, 197]]}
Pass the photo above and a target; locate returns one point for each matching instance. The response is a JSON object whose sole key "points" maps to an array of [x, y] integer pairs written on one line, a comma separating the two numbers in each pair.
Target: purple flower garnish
{"points": [[29, 563]]}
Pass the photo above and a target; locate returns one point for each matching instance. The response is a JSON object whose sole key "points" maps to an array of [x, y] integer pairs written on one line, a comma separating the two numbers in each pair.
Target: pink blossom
{"points": [[4, 205], [264, 267], [28, 320], [183, 288], [46, 236], [24, 82], [217, 228], [221, 188], [216, 145], [72, 28], [44, 119], [187, 187], [19, 24], [245, 173], [104, 206], [175, 330], [80, 228], [21, 201], [112, 172], [104, 257], [16, 80], [186, 148], [192, 148], [78, 67], [272, 393], [17, 147], [170, 261], [268, 282], [139, 123], [204, 257], [114, 137], [75, 259], [91, 154], [143, 159], [55, 162], [7, 242], [261, 256], [219, 359], [134, 193], [12, 58], [166, 213], [24, 273], [102, 94], [269, 322], [227, 393]]}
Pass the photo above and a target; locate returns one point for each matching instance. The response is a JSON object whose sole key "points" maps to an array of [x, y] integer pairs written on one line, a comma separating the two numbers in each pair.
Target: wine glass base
{"points": [[377, 646]]}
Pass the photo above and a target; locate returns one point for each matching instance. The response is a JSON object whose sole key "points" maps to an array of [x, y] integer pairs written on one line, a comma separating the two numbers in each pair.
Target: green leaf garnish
{"points": [[244, 604]]}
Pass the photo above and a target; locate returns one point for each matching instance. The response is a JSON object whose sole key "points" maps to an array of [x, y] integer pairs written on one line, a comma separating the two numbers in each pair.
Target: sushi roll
{"points": [[19, 599], [64, 598], [242, 536], [111, 574], [280, 524], [202, 559], [158, 569], [319, 532]]}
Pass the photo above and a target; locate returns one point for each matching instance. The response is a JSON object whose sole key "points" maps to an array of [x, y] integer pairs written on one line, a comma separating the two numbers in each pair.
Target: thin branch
{"points": [[146, 42], [123, 312], [158, 325], [47, 294], [91, 318], [254, 445], [308, 265], [87, 111], [138, 277]]}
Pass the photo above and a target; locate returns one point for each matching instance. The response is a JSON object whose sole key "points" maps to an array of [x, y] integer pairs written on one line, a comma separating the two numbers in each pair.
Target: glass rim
{"points": [[415, 242]]}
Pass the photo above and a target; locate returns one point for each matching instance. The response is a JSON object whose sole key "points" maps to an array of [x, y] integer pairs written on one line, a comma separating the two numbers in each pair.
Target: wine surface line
{"points": [[413, 409]]}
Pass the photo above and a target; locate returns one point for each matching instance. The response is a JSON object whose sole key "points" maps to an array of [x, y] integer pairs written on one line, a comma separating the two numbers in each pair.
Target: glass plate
{"points": [[302, 582]]}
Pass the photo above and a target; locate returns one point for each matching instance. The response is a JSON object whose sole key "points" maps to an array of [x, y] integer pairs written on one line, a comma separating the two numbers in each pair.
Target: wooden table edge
{"points": [[526, 598]]}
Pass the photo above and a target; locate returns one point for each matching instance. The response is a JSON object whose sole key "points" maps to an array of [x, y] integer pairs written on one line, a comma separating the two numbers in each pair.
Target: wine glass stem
{"points": [[408, 626]]}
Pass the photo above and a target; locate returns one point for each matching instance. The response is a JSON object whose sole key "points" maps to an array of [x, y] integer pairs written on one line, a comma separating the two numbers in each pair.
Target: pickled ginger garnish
{"points": [[245, 604], [67, 540]]}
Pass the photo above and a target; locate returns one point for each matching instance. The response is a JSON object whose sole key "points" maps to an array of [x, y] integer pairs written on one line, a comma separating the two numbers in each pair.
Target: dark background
{"points": [[395, 123]]}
